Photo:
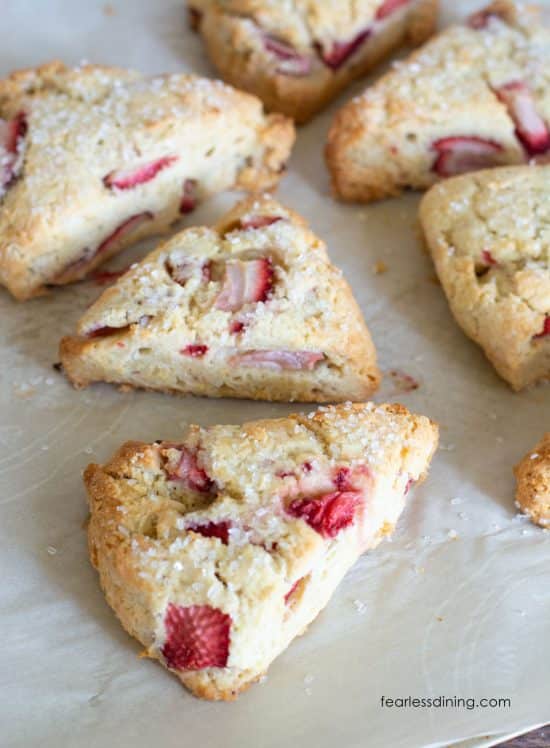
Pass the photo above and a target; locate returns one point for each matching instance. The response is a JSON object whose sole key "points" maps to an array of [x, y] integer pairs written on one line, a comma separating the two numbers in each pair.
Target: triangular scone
{"points": [[489, 238], [217, 551], [298, 56], [473, 97], [94, 159], [252, 308]]}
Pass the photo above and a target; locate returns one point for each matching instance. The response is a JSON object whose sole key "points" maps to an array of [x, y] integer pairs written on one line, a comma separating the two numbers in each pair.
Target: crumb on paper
{"points": [[439, 618], [452, 535], [24, 391], [109, 10], [360, 607], [379, 267], [51, 550], [403, 382]]}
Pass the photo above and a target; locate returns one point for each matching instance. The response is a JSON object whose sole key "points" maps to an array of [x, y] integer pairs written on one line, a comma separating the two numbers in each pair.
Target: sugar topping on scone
{"points": [[473, 97], [251, 308], [533, 483], [297, 56], [93, 159], [217, 550], [489, 235]]}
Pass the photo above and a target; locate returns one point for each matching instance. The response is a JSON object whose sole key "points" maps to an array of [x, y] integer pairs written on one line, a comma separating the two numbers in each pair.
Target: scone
{"points": [[298, 56], [216, 551], [93, 159], [473, 97], [252, 308], [533, 483], [489, 238]]}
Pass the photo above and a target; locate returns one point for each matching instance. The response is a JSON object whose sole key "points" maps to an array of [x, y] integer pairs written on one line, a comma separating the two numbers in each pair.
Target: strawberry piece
{"points": [[545, 329], [460, 154], [188, 201], [488, 258], [195, 350], [531, 129], [278, 360], [213, 530], [12, 133], [342, 479], [245, 283], [197, 637], [127, 179], [388, 7], [189, 471], [291, 61], [292, 590], [482, 18], [236, 327], [307, 467], [328, 514], [102, 277], [408, 485], [128, 227], [340, 52], [258, 222]]}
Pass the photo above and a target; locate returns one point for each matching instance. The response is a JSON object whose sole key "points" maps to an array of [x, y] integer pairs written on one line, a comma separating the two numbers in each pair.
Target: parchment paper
{"points": [[458, 604]]}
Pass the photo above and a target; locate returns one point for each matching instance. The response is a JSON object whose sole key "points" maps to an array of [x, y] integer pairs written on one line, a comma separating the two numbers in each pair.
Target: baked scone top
{"points": [[491, 231], [249, 527], [79, 133], [295, 298], [304, 22]]}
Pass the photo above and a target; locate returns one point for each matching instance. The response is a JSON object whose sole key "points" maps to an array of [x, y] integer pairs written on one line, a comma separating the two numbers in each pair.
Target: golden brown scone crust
{"points": [[275, 571], [533, 483], [384, 141], [489, 236], [234, 33], [153, 319], [61, 216]]}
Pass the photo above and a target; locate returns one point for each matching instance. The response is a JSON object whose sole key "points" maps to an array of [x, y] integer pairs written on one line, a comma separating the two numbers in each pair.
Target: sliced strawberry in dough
{"points": [[195, 350], [531, 129], [127, 179], [11, 133], [189, 471], [278, 360], [218, 530], [245, 283], [188, 201], [460, 154], [126, 228], [258, 222], [482, 18], [291, 61], [488, 258], [388, 7], [340, 52], [545, 329], [197, 637], [328, 514]]}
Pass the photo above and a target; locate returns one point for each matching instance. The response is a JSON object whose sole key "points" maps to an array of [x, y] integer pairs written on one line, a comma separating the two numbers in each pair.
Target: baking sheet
{"points": [[457, 604]]}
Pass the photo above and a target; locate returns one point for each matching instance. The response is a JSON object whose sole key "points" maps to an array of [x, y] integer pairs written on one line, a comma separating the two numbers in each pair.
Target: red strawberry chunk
{"points": [[488, 258], [340, 52], [291, 61], [126, 179], [12, 133], [236, 327], [213, 530], [291, 591], [197, 637], [189, 471], [408, 485], [188, 201], [258, 222], [328, 514], [342, 479], [545, 329], [482, 18], [278, 360], [388, 7], [102, 277], [245, 283], [531, 129], [460, 154], [195, 350], [126, 228]]}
